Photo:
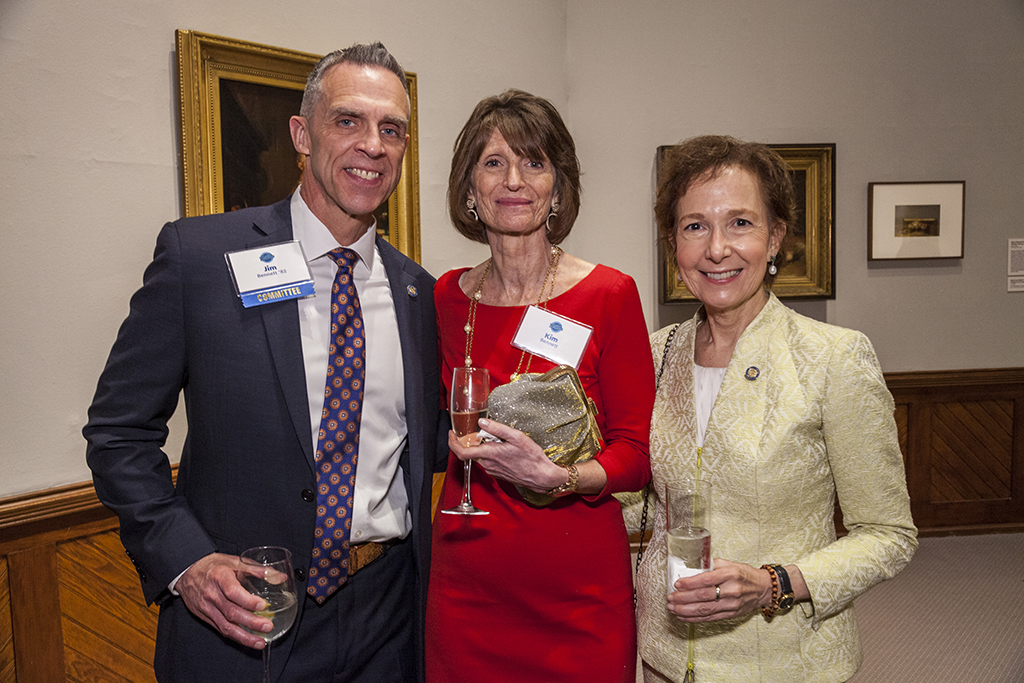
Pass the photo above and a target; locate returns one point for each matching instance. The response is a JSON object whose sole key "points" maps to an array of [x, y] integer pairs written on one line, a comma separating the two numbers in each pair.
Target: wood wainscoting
{"points": [[71, 608], [962, 437]]}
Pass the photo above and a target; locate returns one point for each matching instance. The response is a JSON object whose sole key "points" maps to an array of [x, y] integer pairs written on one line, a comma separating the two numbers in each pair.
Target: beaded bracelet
{"points": [[769, 609]]}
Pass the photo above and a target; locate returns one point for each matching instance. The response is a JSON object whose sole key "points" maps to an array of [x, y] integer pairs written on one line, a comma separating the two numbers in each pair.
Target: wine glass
{"points": [[266, 571], [688, 515], [470, 387]]}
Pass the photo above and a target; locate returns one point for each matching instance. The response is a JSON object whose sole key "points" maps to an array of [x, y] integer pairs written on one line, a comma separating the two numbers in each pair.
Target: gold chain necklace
{"points": [[549, 276]]}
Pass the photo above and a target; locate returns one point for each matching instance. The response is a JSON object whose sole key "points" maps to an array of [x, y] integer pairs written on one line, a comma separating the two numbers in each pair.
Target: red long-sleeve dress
{"points": [[543, 594]]}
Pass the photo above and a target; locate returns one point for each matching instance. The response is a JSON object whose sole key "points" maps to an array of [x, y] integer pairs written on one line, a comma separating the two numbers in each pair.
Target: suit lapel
{"points": [[406, 298], [281, 322]]}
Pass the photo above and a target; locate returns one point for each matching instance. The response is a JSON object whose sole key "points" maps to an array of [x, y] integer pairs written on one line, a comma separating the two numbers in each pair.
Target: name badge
{"points": [[276, 272], [552, 336]]}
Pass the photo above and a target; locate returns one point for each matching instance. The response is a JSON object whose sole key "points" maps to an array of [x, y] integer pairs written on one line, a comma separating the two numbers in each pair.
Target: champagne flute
{"points": [[470, 388], [266, 571]]}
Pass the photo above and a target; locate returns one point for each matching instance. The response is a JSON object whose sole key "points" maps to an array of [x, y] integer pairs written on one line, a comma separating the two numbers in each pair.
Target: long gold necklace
{"points": [[549, 276]]}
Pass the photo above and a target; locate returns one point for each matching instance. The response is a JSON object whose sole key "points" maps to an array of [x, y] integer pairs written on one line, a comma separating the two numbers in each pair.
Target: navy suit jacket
{"points": [[246, 476]]}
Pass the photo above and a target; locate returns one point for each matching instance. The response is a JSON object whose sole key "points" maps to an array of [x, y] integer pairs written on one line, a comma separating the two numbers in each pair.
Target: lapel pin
{"points": [[412, 290], [752, 373]]}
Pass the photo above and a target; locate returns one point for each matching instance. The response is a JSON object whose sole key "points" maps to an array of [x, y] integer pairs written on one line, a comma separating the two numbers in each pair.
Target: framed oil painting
{"points": [[922, 220], [235, 99], [809, 271]]}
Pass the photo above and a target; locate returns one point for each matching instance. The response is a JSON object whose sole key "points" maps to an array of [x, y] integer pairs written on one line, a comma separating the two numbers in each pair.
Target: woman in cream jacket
{"points": [[783, 414]]}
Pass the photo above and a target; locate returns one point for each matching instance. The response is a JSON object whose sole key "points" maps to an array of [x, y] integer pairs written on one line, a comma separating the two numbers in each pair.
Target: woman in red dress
{"points": [[531, 593]]}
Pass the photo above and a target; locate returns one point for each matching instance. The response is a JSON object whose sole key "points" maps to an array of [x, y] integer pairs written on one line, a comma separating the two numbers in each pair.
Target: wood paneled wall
{"points": [[962, 435], [71, 608], [6, 630]]}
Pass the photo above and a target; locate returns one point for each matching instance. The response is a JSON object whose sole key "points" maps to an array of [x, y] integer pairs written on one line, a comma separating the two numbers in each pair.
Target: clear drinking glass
{"points": [[470, 388], [688, 516], [266, 571]]}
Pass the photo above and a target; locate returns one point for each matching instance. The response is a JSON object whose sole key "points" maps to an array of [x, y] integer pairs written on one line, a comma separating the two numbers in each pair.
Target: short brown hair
{"points": [[703, 158], [533, 128]]}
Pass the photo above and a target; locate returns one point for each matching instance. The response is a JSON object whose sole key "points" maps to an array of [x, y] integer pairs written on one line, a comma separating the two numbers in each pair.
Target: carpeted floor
{"points": [[956, 613]]}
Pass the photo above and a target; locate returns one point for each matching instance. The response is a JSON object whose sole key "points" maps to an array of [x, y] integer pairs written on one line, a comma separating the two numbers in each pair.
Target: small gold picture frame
{"points": [[235, 99]]}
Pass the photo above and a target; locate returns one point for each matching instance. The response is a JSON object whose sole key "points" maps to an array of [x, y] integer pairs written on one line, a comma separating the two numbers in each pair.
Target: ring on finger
{"points": [[718, 593]]}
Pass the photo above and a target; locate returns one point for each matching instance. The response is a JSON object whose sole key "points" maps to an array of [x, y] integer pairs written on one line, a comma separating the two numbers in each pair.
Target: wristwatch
{"points": [[782, 590], [786, 596]]}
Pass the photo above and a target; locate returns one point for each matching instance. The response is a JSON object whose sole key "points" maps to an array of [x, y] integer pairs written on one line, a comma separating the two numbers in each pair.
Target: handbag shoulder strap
{"points": [[647, 489], [664, 355]]}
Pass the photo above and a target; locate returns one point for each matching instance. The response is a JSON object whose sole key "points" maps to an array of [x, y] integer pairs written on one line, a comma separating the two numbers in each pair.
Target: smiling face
{"points": [[355, 141], [724, 241], [513, 194]]}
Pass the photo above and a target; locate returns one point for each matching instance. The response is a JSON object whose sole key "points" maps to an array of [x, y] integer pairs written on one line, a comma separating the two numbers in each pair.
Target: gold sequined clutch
{"points": [[552, 409]]}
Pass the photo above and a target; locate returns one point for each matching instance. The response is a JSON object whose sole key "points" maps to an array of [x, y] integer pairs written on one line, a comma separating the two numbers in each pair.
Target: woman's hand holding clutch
{"points": [[515, 458]]}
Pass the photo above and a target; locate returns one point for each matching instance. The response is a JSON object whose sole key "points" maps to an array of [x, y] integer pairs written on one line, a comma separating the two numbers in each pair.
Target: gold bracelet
{"points": [[769, 610], [569, 486]]}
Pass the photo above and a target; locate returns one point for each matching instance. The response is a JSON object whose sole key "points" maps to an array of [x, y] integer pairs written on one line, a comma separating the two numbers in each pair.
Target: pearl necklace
{"points": [[549, 276]]}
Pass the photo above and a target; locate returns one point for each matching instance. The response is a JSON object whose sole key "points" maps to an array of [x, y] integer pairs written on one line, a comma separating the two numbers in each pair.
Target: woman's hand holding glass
{"points": [[741, 588]]}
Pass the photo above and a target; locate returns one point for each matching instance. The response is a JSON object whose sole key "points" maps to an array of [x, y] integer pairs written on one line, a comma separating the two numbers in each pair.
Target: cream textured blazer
{"points": [[816, 423]]}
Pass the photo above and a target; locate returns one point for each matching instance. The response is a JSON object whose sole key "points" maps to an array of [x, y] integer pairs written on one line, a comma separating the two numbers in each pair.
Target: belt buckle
{"points": [[364, 553]]}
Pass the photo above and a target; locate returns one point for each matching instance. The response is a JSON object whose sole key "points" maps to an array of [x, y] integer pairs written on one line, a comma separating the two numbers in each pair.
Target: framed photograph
{"points": [[235, 100], [923, 220], [809, 270]]}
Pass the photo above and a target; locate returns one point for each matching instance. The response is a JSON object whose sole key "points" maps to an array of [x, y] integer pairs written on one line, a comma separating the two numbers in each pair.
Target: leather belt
{"points": [[362, 554]]}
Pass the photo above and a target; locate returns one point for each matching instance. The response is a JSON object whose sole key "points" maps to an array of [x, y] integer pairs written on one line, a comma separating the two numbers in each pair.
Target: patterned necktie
{"points": [[337, 448]]}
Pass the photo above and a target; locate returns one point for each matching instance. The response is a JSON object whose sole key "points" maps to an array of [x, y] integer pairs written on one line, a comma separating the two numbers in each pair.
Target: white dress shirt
{"points": [[381, 506]]}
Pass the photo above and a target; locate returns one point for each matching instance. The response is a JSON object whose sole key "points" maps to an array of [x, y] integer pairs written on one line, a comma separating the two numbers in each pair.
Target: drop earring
{"points": [[772, 269], [471, 207], [552, 213]]}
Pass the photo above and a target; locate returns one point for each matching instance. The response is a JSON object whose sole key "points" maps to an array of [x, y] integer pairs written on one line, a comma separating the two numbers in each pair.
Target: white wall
{"points": [[908, 91], [89, 167]]}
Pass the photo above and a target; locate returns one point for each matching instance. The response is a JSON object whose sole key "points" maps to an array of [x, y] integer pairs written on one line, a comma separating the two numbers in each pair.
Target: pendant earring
{"points": [[552, 214], [772, 269], [471, 207]]}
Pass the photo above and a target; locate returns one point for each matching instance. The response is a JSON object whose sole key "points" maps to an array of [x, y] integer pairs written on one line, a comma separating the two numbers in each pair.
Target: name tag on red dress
{"points": [[551, 336]]}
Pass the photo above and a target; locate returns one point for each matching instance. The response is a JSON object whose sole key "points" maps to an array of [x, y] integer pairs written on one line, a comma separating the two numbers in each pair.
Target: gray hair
{"points": [[374, 54]]}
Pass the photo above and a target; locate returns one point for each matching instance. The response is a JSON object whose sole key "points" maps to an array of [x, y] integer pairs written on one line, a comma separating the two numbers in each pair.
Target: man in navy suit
{"points": [[253, 381]]}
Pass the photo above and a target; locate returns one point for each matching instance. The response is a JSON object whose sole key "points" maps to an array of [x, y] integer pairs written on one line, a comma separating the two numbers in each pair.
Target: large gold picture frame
{"points": [[809, 270], [223, 81]]}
